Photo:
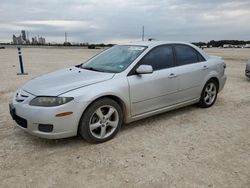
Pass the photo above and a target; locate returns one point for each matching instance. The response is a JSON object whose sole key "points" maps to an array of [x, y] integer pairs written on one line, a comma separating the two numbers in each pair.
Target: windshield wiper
{"points": [[93, 69], [79, 66]]}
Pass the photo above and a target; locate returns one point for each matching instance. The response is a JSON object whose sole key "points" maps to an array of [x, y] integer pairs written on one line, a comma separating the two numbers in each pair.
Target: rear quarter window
{"points": [[187, 55], [200, 57]]}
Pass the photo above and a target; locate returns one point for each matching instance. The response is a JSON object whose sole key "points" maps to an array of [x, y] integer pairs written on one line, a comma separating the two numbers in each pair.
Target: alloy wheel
{"points": [[210, 93], [103, 122]]}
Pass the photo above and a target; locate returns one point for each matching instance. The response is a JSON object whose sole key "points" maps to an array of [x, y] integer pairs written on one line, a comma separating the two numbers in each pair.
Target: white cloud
{"points": [[121, 20], [121, 40], [14, 26], [64, 24]]}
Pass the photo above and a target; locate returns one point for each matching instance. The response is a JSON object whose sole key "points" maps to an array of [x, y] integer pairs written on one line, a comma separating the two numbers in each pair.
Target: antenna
{"points": [[65, 37], [143, 33]]}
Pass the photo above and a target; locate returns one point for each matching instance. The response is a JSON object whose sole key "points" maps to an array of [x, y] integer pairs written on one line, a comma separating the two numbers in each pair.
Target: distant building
{"points": [[23, 34], [41, 40], [23, 39], [34, 40], [18, 40], [38, 40]]}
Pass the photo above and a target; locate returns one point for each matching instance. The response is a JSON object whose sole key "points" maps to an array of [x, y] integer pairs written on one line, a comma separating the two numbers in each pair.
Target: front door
{"points": [[153, 91]]}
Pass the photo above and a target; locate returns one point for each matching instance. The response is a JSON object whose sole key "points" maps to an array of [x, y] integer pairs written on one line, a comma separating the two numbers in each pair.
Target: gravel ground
{"points": [[188, 147]]}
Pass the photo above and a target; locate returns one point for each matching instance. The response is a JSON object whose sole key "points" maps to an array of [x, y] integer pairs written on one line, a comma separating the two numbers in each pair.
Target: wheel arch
{"points": [[117, 99], [216, 80], [213, 75], [202, 103]]}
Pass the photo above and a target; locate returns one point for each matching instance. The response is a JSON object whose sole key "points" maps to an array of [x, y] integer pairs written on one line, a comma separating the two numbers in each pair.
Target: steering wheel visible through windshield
{"points": [[115, 59]]}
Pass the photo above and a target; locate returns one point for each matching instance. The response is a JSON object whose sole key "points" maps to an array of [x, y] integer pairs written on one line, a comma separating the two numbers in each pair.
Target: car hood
{"points": [[62, 81]]}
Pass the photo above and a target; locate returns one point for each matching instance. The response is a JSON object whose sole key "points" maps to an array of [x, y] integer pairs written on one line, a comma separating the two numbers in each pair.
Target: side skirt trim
{"points": [[162, 110]]}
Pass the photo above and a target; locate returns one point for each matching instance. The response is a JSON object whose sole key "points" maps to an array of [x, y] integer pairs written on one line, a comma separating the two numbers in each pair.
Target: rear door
{"points": [[192, 69], [150, 92]]}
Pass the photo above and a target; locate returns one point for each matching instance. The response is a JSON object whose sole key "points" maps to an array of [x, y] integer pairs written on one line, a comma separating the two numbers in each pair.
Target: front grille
{"points": [[21, 121]]}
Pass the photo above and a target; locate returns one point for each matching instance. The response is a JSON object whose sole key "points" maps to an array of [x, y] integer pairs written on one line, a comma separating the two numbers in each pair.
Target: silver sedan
{"points": [[120, 85]]}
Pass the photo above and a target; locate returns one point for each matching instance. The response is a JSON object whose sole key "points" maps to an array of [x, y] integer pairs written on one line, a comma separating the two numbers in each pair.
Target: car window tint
{"points": [[200, 58], [185, 55], [159, 58]]}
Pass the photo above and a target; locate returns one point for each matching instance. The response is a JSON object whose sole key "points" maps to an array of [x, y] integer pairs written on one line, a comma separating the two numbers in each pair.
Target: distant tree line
{"points": [[87, 45], [90, 46], [212, 43], [220, 43]]}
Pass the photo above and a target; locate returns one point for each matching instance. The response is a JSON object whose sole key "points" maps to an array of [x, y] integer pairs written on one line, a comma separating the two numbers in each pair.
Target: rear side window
{"points": [[200, 58], [159, 58], [186, 55]]}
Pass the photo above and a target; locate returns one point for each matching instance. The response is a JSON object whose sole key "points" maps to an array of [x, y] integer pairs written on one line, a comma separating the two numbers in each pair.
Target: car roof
{"points": [[154, 43]]}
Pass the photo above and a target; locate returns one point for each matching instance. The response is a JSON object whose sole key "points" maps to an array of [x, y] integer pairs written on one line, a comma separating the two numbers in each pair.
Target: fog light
{"points": [[45, 128]]}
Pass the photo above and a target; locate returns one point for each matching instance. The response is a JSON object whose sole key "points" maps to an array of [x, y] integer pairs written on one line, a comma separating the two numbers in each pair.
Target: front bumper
{"points": [[30, 119]]}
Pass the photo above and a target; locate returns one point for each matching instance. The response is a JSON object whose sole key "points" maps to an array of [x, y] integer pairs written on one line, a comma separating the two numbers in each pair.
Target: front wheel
{"points": [[101, 121], [209, 94]]}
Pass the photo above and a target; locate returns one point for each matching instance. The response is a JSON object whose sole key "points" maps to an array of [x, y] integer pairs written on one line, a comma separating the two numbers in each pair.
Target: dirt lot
{"points": [[189, 147]]}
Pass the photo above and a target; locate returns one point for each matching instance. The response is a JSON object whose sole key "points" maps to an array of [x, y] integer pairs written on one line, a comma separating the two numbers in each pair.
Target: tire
{"points": [[101, 121], [209, 94]]}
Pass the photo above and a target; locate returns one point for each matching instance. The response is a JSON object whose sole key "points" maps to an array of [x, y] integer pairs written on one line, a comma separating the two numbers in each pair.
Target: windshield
{"points": [[115, 59]]}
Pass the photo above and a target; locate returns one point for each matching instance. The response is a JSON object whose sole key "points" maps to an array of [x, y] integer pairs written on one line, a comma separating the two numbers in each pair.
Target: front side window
{"points": [[115, 59], [159, 58], [185, 55]]}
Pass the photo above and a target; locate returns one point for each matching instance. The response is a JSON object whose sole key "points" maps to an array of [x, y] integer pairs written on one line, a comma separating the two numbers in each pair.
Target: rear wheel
{"points": [[209, 94], [101, 121]]}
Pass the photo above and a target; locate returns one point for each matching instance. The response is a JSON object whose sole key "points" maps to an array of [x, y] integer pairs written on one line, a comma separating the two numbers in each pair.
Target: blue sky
{"points": [[115, 21]]}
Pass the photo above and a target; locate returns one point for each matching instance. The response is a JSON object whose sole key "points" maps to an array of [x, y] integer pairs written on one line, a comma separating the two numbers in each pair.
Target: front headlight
{"points": [[50, 101]]}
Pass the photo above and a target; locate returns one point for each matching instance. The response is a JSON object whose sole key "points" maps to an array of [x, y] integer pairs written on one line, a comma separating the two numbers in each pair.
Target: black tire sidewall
{"points": [[202, 103], [84, 130]]}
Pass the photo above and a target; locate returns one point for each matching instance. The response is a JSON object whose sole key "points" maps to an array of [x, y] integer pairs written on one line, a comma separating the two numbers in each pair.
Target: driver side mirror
{"points": [[144, 69]]}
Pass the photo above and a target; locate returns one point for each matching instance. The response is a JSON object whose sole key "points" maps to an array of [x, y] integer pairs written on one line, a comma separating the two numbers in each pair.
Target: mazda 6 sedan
{"points": [[120, 85]]}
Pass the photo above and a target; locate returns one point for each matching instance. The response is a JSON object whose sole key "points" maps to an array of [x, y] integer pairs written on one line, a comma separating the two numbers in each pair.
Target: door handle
{"points": [[204, 67], [172, 75]]}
